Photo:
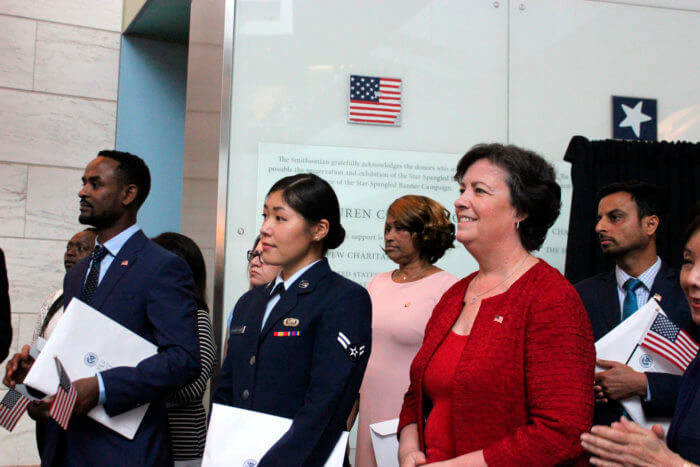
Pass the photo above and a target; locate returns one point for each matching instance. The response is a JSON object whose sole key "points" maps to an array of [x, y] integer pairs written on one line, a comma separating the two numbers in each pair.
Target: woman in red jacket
{"points": [[504, 374]]}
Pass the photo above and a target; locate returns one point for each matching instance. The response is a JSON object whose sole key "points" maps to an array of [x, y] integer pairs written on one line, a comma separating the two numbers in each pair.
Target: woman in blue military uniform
{"points": [[298, 347]]}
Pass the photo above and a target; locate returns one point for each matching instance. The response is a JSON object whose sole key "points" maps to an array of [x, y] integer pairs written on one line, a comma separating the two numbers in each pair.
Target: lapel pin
{"points": [[291, 322], [657, 297], [407, 304], [303, 284], [498, 319], [125, 263]]}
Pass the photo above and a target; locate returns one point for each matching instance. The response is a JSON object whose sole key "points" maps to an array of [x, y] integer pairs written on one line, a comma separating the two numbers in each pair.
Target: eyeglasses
{"points": [[252, 254]]}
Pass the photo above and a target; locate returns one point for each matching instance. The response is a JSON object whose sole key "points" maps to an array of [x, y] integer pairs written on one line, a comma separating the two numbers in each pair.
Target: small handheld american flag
{"points": [[12, 408], [66, 395], [670, 341]]}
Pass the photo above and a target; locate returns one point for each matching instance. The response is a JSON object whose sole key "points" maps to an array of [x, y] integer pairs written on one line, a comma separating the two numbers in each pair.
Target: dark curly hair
{"points": [[531, 181], [428, 222]]}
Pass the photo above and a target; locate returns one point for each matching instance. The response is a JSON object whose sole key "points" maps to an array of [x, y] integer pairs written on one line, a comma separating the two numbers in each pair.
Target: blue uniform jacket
{"points": [[149, 291], [684, 433], [306, 364], [599, 296]]}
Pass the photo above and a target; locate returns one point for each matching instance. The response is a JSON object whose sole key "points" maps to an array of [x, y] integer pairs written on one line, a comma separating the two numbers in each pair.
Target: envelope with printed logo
{"points": [[87, 342]]}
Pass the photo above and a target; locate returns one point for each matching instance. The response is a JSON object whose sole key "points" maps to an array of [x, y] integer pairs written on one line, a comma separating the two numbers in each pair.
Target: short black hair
{"points": [[646, 196], [313, 198], [534, 190], [187, 249], [132, 170]]}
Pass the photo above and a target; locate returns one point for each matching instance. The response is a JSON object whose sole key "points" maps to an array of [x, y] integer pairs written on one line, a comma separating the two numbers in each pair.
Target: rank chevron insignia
{"points": [[353, 351]]}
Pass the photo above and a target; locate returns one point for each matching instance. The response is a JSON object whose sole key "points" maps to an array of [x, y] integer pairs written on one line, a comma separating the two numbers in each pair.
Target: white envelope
{"points": [[385, 443], [621, 345], [239, 437], [87, 342]]}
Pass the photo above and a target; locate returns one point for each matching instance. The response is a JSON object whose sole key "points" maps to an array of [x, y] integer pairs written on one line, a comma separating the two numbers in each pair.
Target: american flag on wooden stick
{"points": [[375, 100], [670, 341], [12, 408], [66, 395]]}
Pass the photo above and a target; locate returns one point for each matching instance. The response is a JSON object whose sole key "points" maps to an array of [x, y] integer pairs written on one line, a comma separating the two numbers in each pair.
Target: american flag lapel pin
{"points": [[125, 263], [657, 297], [498, 319]]}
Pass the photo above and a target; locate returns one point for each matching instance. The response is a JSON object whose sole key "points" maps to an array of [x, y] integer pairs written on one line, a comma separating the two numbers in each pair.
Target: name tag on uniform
{"points": [[238, 330]]}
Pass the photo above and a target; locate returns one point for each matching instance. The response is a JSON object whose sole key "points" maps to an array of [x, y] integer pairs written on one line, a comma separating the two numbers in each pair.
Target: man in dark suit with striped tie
{"points": [[629, 215]]}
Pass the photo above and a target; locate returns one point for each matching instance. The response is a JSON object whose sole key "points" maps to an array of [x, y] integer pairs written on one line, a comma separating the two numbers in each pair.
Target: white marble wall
{"points": [[59, 66]]}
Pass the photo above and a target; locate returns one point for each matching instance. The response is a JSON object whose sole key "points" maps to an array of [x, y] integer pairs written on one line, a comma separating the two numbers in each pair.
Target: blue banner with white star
{"points": [[634, 118]]}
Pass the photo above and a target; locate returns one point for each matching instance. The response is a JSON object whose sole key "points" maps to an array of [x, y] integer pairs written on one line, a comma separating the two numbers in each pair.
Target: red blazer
{"points": [[523, 388]]}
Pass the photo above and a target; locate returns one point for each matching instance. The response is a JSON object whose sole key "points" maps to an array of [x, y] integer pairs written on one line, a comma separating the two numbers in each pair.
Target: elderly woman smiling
{"points": [[504, 373]]}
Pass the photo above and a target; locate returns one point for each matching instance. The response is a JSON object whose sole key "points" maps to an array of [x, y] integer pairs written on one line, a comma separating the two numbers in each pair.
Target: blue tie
{"points": [[630, 305]]}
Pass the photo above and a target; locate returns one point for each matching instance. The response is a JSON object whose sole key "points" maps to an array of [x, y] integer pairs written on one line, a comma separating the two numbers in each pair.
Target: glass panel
{"points": [[292, 64]]}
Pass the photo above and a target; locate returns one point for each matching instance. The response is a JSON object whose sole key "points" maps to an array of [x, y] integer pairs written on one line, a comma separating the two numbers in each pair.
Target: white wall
{"points": [[531, 72], [59, 63]]}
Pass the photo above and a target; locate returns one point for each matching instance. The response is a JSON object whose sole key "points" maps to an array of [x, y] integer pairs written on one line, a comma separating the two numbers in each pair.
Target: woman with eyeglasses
{"points": [[298, 348], [259, 273]]}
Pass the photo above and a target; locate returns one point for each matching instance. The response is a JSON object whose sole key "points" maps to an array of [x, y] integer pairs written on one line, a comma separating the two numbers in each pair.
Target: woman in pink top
{"points": [[417, 233]]}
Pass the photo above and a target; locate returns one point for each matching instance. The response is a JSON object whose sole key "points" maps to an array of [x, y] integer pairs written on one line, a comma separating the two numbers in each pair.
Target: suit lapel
{"points": [[610, 301], [124, 260], [302, 286], [663, 285]]}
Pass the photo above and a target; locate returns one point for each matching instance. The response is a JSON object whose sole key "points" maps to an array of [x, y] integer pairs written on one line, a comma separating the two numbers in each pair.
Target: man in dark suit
{"points": [[628, 218], [5, 324], [144, 288]]}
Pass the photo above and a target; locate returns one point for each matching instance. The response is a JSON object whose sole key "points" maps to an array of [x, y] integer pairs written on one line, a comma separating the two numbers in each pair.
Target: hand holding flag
{"points": [[12, 408], [66, 395]]}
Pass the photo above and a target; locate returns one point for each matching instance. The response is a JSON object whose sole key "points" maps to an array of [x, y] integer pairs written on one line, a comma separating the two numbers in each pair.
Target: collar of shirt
{"points": [[114, 244], [647, 277], [288, 283]]}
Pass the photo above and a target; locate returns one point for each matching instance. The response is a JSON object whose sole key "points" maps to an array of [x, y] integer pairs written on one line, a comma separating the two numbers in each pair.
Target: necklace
{"points": [[404, 277], [476, 296]]}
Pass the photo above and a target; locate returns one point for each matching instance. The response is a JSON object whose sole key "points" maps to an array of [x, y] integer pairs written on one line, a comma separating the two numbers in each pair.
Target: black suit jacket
{"points": [[149, 291], [600, 297], [309, 377], [684, 433], [5, 324]]}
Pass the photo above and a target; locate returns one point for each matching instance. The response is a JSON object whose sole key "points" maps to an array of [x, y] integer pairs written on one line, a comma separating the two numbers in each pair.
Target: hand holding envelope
{"points": [[621, 345], [88, 342]]}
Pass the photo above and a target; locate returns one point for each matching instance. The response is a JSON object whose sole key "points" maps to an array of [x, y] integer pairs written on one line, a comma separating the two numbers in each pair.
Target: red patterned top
{"points": [[522, 390]]}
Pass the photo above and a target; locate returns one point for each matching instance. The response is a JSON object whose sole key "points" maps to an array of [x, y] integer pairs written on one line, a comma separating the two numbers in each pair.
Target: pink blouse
{"points": [[399, 315]]}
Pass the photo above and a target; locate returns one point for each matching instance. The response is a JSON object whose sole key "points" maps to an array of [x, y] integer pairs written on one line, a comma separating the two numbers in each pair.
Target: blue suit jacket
{"points": [[599, 296], [684, 433], [308, 377], [149, 291]]}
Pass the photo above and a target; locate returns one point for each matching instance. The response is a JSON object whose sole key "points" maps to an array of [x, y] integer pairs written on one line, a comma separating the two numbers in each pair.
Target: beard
{"points": [[616, 250], [99, 221]]}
